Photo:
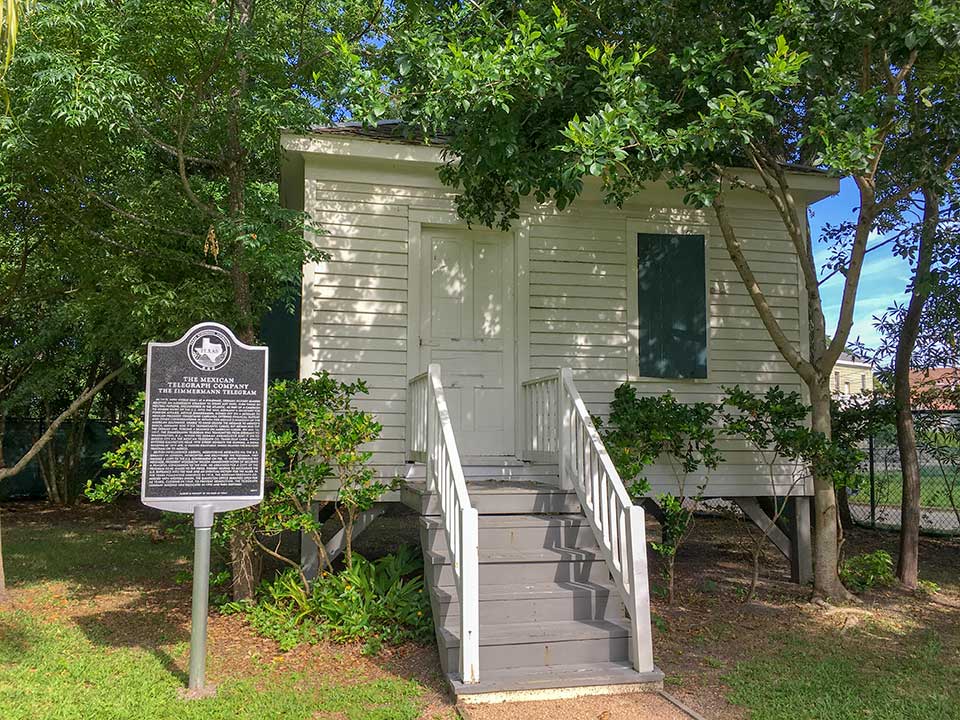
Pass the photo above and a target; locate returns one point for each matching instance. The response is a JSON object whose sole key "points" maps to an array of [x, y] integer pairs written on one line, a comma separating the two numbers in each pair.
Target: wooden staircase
{"points": [[550, 617]]}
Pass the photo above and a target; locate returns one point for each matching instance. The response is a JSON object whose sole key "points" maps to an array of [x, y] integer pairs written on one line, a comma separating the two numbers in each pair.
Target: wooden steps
{"points": [[550, 617]]}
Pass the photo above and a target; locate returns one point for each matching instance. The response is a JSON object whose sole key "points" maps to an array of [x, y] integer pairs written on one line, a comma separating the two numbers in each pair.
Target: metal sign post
{"points": [[202, 525], [205, 426]]}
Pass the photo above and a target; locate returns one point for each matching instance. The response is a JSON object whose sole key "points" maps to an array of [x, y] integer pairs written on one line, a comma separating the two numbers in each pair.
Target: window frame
{"points": [[689, 224]]}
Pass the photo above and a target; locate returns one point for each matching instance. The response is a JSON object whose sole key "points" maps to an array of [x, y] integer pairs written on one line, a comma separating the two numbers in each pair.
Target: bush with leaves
{"points": [[374, 602], [870, 570], [774, 425], [122, 466], [641, 431], [314, 435]]}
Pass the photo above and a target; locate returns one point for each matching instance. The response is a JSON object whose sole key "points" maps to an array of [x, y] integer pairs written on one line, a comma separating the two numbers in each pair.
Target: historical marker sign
{"points": [[205, 422], [203, 446]]}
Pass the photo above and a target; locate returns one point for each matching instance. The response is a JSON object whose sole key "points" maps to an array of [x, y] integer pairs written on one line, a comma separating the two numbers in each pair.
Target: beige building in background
{"points": [[851, 376]]}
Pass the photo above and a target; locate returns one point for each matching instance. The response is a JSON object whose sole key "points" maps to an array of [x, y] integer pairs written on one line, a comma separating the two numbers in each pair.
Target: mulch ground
{"points": [[696, 640]]}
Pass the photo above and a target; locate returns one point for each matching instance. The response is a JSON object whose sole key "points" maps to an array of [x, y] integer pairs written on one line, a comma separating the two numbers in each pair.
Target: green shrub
{"points": [[315, 435], [643, 430], [383, 601], [862, 572], [122, 466]]}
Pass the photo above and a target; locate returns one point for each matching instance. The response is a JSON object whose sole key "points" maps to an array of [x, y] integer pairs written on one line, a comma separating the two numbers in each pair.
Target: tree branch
{"points": [[41, 442], [137, 251], [20, 272], [735, 249], [852, 281], [170, 149], [141, 220], [276, 555]]}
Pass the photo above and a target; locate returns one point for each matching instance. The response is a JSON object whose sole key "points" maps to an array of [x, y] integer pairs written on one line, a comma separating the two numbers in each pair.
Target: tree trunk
{"points": [[755, 575], [843, 506], [670, 579], [826, 551], [3, 576], [909, 560], [49, 466], [242, 548], [243, 565]]}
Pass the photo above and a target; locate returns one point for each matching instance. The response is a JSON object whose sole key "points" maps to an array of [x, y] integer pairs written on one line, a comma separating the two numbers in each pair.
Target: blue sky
{"points": [[884, 278]]}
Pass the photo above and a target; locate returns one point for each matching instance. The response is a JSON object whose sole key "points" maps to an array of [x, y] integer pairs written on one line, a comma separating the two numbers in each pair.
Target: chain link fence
{"points": [[875, 501], [20, 434]]}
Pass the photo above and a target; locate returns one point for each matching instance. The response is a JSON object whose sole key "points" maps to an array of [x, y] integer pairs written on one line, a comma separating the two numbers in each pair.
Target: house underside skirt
{"points": [[790, 534]]}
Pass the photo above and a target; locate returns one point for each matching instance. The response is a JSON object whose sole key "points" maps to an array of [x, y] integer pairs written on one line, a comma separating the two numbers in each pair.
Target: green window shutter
{"points": [[672, 298]]}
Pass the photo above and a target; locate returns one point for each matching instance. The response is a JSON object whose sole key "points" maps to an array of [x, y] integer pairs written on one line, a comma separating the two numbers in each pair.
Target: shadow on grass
{"points": [[14, 640], [92, 560], [154, 621]]}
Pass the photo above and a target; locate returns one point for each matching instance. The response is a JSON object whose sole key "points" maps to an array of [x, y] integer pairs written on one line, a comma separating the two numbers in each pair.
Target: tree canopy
{"points": [[533, 98], [139, 161]]}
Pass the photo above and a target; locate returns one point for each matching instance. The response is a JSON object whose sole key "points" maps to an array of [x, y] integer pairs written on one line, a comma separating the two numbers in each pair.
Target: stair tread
{"points": [[504, 555], [555, 676], [517, 521], [537, 632], [532, 591], [493, 485]]}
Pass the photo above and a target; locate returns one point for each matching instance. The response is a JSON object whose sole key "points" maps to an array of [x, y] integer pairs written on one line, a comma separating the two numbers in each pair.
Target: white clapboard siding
{"points": [[572, 300], [577, 304]]}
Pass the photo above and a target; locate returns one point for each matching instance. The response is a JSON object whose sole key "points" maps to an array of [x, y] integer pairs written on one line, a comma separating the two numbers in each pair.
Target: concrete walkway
{"points": [[635, 706]]}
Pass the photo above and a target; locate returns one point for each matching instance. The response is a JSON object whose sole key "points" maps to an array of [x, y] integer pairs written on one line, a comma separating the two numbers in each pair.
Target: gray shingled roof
{"points": [[394, 130]]}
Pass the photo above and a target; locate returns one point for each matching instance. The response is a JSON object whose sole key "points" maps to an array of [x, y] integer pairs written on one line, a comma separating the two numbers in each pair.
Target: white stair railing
{"points": [[444, 475], [617, 523], [539, 405], [417, 418]]}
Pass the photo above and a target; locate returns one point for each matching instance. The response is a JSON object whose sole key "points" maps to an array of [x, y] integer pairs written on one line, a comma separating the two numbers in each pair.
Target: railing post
{"points": [[470, 598], [433, 371], [641, 647], [411, 407], [522, 430], [564, 423]]}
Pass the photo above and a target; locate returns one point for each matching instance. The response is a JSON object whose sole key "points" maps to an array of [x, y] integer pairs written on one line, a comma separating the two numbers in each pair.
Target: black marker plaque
{"points": [[205, 421]]}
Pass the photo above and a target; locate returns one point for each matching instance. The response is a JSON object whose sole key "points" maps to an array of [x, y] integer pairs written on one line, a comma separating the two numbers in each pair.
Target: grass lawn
{"points": [[55, 670], [98, 629], [894, 656], [804, 679]]}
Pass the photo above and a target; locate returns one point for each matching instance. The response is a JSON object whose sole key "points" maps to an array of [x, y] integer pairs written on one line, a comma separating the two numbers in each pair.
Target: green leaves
{"points": [[643, 430], [866, 571], [380, 601], [314, 435], [122, 466]]}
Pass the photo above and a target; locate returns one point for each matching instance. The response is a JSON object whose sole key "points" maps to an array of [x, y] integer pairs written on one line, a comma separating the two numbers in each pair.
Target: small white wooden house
{"points": [[535, 558]]}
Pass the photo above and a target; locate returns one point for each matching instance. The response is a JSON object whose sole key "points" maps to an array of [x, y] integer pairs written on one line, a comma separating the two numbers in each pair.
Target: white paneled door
{"points": [[467, 327]]}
